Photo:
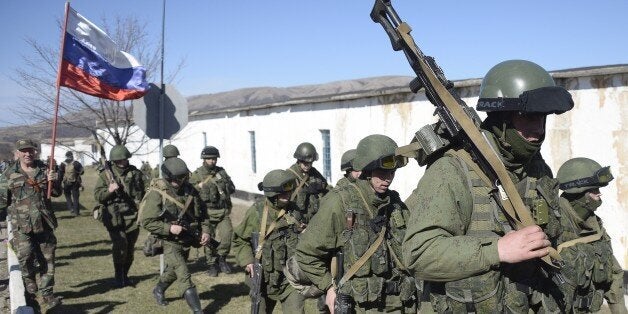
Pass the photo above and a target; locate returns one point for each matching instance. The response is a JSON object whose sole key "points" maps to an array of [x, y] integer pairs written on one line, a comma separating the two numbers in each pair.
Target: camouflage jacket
{"points": [[158, 213], [26, 198], [311, 187], [278, 246], [214, 185]]}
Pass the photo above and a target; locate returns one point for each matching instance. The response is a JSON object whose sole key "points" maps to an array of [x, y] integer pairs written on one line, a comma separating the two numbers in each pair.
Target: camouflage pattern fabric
{"points": [[215, 189], [158, 213], [32, 221], [277, 248]]}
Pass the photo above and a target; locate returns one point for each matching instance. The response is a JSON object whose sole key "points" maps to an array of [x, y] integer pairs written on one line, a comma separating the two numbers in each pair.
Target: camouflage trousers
{"points": [[176, 270], [36, 254], [123, 245], [387, 304], [291, 302], [223, 232]]}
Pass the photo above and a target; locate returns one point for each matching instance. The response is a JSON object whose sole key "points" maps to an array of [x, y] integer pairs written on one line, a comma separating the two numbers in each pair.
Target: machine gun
{"points": [[343, 303], [458, 123], [256, 276]]}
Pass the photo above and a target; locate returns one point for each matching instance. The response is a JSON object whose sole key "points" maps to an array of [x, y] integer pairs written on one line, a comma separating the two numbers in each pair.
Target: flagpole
{"points": [[162, 96], [56, 111]]}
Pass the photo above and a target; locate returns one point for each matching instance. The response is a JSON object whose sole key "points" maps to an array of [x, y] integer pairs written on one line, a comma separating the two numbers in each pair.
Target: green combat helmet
{"points": [[276, 182], [377, 152], [174, 168], [210, 152], [170, 151], [578, 175], [306, 152], [346, 161], [119, 152], [522, 86]]}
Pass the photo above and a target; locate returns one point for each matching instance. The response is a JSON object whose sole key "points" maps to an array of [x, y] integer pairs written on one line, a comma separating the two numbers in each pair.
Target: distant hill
{"points": [[39, 132]]}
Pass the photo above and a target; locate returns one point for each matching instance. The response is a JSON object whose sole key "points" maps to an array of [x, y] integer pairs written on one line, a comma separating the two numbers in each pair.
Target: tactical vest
{"points": [[172, 205], [71, 174], [215, 192], [279, 244], [121, 210], [588, 263], [383, 273], [304, 195], [494, 291]]}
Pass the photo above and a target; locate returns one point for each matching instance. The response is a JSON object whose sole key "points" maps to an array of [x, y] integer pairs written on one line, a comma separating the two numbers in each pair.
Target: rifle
{"points": [[343, 303], [191, 234], [457, 121], [256, 280], [106, 166]]}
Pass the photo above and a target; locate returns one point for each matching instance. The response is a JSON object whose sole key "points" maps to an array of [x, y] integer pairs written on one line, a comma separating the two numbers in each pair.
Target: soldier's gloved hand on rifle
{"points": [[205, 238], [176, 229], [113, 186]]}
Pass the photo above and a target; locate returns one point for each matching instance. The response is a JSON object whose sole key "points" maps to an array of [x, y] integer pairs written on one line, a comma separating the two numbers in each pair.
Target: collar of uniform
{"points": [[586, 225], [373, 198]]}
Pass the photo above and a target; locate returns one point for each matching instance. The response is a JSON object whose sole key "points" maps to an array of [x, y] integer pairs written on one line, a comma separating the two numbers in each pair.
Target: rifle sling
{"points": [[523, 217], [184, 207], [210, 178], [302, 182], [363, 259], [506, 206], [366, 204], [263, 232]]}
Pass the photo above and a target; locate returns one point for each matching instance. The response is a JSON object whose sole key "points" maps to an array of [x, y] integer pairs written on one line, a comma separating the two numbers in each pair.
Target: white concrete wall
{"points": [[596, 128]]}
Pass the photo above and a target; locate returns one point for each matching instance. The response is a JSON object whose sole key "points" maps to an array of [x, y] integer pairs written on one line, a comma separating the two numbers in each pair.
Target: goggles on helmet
{"points": [[284, 187], [600, 178], [392, 162]]}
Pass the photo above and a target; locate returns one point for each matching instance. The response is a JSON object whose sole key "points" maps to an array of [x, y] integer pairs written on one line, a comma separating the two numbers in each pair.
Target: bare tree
{"points": [[78, 110]]}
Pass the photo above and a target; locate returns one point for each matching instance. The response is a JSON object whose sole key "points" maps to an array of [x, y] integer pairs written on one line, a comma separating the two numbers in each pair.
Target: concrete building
{"points": [[257, 129]]}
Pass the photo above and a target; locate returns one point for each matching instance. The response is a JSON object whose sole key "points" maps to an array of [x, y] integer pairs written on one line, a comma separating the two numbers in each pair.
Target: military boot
{"points": [[159, 293], [213, 270], [51, 301], [224, 266], [125, 276], [191, 297]]}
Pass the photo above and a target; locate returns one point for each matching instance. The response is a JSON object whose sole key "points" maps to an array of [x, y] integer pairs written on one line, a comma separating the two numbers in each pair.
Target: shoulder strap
{"points": [[505, 205], [263, 232], [364, 258], [302, 182], [366, 204]]}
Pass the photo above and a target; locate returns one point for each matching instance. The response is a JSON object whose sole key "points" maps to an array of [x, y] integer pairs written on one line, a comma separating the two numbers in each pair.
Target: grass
{"points": [[84, 272]]}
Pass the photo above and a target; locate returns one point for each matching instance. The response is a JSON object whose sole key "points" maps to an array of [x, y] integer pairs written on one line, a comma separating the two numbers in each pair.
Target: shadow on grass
{"points": [[102, 285], [221, 294], [90, 253], [103, 307], [84, 244]]}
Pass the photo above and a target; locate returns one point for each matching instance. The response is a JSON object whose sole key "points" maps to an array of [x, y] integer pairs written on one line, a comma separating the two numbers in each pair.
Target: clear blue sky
{"points": [[236, 44]]}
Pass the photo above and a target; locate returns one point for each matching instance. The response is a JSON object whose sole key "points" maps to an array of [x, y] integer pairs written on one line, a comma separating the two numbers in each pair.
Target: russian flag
{"points": [[92, 63]]}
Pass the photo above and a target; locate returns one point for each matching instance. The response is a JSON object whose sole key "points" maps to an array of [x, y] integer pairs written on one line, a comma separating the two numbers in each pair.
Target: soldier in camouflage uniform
{"points": [[366, 221], [147, 171], [346, 165], [311, 185], [119, 197], [458, 238], [591, 270], [169, 151], [23, 188], [70, 172], [216, 187], [284, 221], [173, 211]]}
